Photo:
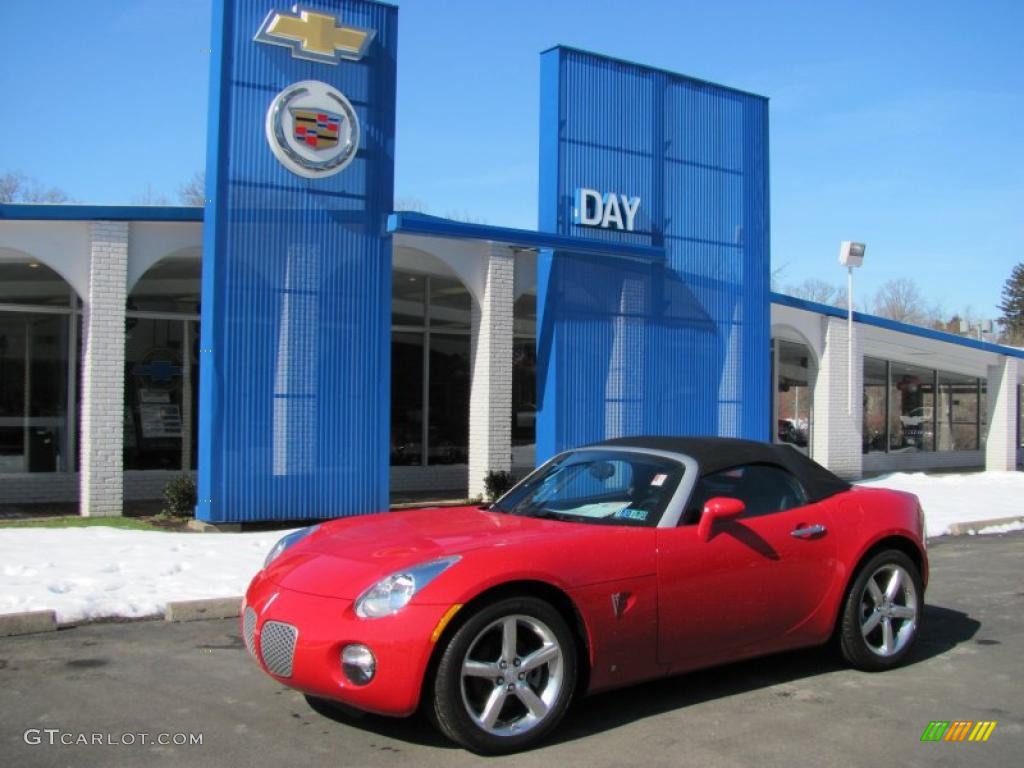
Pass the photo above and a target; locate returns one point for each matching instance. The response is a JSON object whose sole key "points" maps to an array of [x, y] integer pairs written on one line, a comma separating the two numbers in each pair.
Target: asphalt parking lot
{"points": [[801, 708]]}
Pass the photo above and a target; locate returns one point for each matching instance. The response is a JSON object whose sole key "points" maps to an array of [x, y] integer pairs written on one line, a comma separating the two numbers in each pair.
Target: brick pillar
{"points": [[837, 433], [1001, 446], [101, 475], [490, 394]]}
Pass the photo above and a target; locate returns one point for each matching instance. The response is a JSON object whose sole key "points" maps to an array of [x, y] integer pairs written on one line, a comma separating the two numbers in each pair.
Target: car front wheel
{"points": [[507, 676], [882, 612]]}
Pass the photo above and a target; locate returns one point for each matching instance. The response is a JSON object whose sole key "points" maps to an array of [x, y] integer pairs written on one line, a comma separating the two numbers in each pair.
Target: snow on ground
{"points": [[93, 572], [85, 573], [961, 498]]}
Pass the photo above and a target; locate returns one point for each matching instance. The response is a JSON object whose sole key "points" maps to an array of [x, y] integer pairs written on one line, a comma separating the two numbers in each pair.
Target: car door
{"points": [[757, 578]]}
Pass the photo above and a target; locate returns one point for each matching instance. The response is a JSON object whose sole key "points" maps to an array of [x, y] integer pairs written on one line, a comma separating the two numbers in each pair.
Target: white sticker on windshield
{"points": [[659, 480]]}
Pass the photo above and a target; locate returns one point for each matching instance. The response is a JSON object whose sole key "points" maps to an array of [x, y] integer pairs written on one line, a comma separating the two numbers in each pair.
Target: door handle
{"points": [[808, 532]]}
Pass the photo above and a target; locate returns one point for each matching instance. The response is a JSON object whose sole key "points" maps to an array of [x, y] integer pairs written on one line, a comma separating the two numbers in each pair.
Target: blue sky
{"points": [[898, 124]]}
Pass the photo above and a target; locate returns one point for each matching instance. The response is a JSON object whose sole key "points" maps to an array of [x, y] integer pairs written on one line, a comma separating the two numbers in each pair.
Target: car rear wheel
{"points": [[507, 676], [882, 612]]}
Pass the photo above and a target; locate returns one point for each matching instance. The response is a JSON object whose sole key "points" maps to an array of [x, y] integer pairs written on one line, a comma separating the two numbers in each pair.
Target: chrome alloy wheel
{"points": [[511, 675], [888, 610]]}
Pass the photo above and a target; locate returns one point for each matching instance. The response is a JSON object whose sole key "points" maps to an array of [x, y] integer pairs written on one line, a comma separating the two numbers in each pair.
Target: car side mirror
{"points": [[718, 508]]}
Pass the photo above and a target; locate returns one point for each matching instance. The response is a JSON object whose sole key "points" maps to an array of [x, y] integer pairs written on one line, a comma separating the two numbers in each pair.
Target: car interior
{"points": [[763, 488]]}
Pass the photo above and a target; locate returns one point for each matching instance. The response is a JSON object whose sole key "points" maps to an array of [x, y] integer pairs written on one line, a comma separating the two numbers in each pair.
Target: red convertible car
{"points": [[614, 563]]}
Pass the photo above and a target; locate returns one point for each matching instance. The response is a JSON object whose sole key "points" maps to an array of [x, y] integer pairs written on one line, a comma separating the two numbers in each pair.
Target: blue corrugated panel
{"points": [[673, 348], [296, 286]]}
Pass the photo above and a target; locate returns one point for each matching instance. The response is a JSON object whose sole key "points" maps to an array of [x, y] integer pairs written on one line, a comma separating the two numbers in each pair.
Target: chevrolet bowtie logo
{"points": [[314, 35]]}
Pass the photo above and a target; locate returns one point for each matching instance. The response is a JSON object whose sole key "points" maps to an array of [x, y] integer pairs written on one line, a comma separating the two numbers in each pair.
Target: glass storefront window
{"points": [[911, 408], [794, 385], [443, 327], [876, 384], [524, 401], [524, 376], [406, 398], [524, 314], [450, 304], [448, 413], [983, 412], [407, 292], [161, 367], [34, 392], [1020, 422], [958, 412], [158, 384]]}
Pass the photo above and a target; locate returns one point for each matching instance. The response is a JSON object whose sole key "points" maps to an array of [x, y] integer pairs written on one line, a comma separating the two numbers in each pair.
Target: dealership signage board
{"points": [[607, 211], [295, 349], [628, 347]]}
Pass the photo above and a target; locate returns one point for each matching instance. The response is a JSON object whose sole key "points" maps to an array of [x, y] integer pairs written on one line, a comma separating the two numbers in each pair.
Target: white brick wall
{"points": [[490, 397], [102, 396], [1001, 447], [837, 433]]}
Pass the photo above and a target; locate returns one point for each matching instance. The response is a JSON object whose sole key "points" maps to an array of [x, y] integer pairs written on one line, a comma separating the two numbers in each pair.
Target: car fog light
{"points": [[358, 663]]}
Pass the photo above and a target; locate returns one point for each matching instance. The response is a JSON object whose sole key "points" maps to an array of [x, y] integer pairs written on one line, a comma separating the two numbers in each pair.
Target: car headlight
{"points": [[286, 541], [392, 593]]}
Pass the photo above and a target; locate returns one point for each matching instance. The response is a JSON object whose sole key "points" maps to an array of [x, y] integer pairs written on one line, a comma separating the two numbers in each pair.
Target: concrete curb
{"points": [[210, 608], [971, 528], [201, 526], [27, 623]]}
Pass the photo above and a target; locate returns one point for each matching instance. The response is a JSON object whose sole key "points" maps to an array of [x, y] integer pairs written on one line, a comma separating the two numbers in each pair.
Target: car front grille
{"points": [[277, 646], [249, 629]]}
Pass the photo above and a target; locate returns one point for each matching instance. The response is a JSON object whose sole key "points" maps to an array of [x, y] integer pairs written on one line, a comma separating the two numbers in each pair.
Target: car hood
{"points": [[345, 557]]}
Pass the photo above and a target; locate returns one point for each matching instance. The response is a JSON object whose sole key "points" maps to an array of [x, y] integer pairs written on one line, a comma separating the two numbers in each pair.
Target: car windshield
{"points": [[597, 486]]}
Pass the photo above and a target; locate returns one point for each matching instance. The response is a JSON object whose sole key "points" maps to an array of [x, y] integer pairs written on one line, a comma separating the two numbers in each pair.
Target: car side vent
{"points": [[249, 629]]}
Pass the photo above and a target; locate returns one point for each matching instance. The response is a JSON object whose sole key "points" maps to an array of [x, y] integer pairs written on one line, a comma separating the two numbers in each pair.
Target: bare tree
{"points": [[812, 289], [901, 300], [17, 188], [464, 216], [193, 191], [416, 205], [149, 197]]}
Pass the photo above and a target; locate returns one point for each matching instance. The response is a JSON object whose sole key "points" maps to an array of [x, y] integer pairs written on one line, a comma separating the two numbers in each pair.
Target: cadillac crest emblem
{"points": [[312, 129]]}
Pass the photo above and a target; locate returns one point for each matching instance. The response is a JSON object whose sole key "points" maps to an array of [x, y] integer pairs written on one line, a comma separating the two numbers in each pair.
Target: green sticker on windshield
{"points": [[632, 514]]}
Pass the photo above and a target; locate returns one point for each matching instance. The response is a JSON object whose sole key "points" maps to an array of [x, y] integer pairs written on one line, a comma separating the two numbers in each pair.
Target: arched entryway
{"points": [[794, 373], [431, 323], [161, 368]]}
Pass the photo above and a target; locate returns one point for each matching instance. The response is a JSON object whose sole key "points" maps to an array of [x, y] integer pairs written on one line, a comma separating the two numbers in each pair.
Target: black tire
{"points": [[491, 717], [877, 630]]}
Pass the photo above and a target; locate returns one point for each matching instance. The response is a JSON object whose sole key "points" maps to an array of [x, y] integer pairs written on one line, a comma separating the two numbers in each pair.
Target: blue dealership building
{"points": [[308, 351]]}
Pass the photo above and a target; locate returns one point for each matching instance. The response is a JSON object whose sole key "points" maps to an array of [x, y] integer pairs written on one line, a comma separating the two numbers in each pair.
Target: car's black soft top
{"points": [[714, 454]]}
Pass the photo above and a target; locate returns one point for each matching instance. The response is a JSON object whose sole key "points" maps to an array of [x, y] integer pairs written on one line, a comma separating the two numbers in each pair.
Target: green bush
{"points": [[180, 496], [497, 483]]}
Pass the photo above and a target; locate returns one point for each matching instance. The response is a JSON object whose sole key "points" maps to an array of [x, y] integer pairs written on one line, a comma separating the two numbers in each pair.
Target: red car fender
{"points": [[863, 535], [614, 604]]}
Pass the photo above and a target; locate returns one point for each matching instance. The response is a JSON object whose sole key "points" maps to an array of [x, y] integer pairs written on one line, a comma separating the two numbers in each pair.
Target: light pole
{"points": [[850, 255]]}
